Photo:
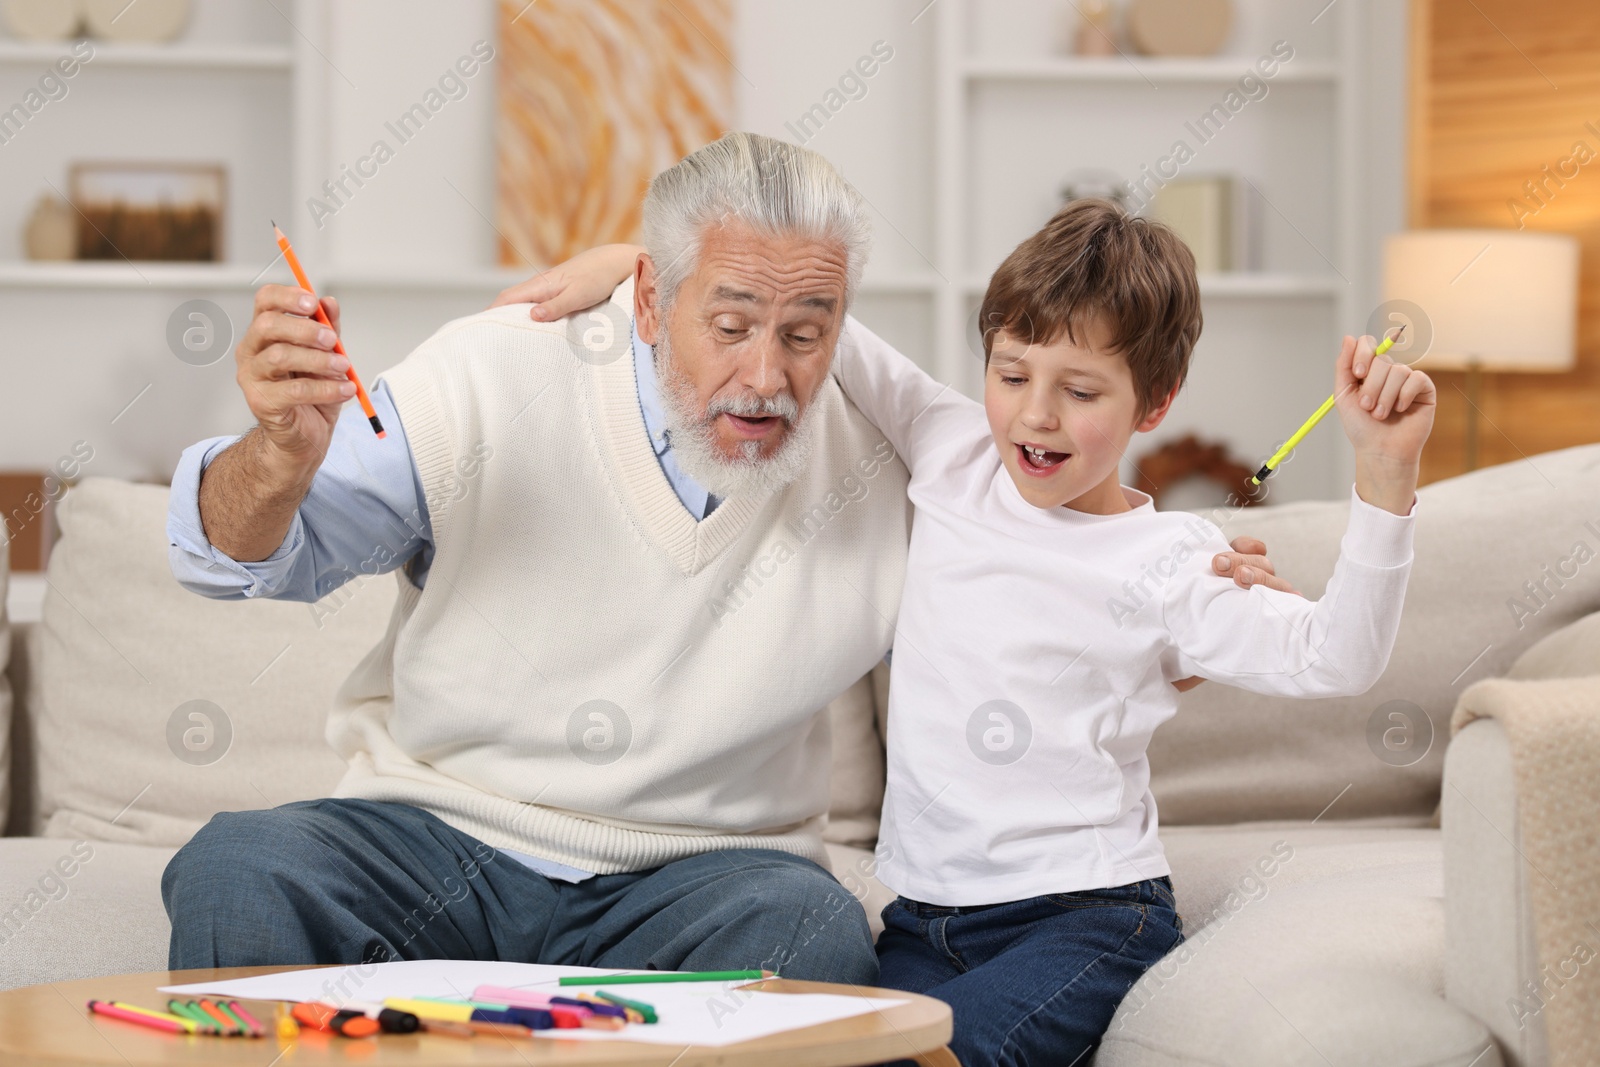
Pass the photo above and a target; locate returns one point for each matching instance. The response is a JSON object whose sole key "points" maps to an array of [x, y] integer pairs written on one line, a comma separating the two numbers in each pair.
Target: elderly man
{"points": [[633, 576]]}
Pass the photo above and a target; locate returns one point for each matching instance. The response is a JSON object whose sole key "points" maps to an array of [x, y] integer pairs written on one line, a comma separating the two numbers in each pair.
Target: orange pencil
{"points": [[322, 317]]}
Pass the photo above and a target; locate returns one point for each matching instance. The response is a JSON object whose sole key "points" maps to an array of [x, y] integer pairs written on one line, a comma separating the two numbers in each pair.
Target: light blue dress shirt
{"points": [[365, 513]]}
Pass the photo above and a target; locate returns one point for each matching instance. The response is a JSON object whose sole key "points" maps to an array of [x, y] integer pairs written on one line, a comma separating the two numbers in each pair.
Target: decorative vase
{"points": [[52, 230], [146, 20], [42, 20]]}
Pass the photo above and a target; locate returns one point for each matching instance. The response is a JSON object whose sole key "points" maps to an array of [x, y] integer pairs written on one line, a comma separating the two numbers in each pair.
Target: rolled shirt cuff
{"points": [[1378, 538], [195, 561]]}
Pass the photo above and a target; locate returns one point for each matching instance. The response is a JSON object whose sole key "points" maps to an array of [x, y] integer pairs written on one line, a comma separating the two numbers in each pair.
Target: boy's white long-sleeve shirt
{"points": [[1036, 649]]}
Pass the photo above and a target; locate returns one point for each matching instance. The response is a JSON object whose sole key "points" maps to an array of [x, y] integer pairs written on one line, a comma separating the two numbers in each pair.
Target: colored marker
{"points": [[1305, 427], [463, 1011], [154, 1019], [250, 1021], [327, 1018], [390, 1021], [665, 976], [230, 1025], [527, 998], [646, 1013], [203, 1022]]}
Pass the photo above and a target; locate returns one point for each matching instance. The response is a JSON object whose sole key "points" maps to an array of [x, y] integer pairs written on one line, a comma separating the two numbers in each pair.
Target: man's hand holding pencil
{"points": [[293, 380]]}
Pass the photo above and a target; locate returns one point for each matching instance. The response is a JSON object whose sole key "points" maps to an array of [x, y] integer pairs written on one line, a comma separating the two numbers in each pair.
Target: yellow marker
{"points": [[1327, 405], [448, 1011]]}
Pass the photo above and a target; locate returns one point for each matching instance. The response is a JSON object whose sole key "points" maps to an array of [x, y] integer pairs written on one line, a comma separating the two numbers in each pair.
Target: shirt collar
{"points": [[644, 372], [693, 495]]}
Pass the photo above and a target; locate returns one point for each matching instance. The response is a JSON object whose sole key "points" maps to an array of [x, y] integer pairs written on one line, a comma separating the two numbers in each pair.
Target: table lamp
{"points": [[1496, 300]]}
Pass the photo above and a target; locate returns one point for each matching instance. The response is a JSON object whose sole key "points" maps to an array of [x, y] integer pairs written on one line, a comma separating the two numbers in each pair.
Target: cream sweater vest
{"points": [[589, 675]]}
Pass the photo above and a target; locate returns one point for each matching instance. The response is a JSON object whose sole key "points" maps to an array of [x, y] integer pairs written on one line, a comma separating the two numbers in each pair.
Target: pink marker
{"points": [[517, 998]]}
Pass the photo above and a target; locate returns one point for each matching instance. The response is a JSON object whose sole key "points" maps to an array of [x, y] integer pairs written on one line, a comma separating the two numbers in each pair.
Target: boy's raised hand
{"points": [[1387, 410]]}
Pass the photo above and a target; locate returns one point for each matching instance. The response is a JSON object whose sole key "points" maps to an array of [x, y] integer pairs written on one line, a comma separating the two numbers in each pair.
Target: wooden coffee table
{"points": [[48, 1025]]}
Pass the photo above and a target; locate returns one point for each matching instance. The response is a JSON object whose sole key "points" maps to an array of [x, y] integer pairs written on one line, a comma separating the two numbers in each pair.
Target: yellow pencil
{"points": [[1327, 405]]}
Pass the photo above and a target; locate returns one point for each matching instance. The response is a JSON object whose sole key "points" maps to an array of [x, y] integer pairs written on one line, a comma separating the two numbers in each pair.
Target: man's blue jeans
{"points": [[1034, 981], [359, 881]]}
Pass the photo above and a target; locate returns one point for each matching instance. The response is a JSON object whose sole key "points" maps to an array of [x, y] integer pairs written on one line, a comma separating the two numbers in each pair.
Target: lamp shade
{"points": [[1506, 300]]}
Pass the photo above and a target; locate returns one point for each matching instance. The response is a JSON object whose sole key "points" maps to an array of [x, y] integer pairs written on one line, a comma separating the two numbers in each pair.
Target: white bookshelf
{"points": [[963, 142], [1131, 69], [175, 56], [1013, 118]]}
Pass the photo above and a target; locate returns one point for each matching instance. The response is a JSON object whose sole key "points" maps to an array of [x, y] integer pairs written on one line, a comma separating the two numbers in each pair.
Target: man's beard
{"points": [[694, 440]]}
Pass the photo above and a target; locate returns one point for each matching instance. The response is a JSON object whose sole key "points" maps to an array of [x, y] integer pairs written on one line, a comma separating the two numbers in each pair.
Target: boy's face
{"points": [[1076, 404]]}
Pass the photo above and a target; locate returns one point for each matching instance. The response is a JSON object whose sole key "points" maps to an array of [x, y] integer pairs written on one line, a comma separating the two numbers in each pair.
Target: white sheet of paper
{"points": [[692, 1013]]}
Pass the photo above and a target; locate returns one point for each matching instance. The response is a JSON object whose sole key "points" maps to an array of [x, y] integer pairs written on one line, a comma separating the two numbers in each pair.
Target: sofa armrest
{"points": [[1491, 963]]}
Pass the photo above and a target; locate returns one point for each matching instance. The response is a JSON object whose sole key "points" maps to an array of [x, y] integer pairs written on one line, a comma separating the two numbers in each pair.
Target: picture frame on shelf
{"points": [[172, 212]]}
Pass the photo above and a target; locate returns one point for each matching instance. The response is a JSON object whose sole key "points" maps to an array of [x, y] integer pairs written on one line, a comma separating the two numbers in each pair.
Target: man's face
{"points": [[753, 328], [1062, 415]]}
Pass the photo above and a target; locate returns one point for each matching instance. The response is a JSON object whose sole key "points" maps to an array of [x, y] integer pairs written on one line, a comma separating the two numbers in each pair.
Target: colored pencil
{"points": [[322, 317], [1316, 416]]}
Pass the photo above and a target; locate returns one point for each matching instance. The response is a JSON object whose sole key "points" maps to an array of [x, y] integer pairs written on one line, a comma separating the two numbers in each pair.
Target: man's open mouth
{"points": [[752, 426], [1039, 461]]}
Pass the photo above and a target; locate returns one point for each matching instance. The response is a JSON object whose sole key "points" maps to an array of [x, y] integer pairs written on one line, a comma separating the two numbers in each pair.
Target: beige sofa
{"points": [[1329, 920]]}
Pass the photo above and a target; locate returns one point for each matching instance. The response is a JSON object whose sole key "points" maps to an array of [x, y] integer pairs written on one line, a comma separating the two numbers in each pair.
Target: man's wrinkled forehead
{"points": [[742, 294], [742, 269]]}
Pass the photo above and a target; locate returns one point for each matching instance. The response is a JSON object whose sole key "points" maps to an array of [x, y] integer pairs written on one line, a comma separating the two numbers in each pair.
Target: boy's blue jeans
{"points": [[359, 881], [1033, 981]]}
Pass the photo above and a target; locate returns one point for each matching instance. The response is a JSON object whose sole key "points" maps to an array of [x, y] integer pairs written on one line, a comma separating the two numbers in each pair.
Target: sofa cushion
{"points": [[1305, 944], [1484, 541], [1220, 871], [154, 707], [78, 908], [1571, 652]]}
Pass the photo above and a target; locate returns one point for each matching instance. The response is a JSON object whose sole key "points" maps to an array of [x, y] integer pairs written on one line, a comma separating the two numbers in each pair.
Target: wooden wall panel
{"points": [[1502, 90]]}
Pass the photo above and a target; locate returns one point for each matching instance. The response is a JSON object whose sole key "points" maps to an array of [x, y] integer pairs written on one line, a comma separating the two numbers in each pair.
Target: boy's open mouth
{"points": [[1038, 461]]}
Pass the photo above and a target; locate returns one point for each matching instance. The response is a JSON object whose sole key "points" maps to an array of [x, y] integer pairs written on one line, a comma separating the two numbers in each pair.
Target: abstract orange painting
{"points": [[596, 97]]}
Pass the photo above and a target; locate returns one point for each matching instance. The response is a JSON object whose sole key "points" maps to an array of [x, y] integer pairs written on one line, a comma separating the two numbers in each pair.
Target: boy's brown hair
{"points": [[1095, 261]]}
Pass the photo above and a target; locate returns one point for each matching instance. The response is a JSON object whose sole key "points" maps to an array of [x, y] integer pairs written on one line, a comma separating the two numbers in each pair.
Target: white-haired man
{"points": [[635, 570]]}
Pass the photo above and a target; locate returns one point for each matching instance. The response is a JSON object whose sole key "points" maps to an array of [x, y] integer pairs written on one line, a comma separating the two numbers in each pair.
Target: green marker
{"points": [[201, 1020], [665, 976]]}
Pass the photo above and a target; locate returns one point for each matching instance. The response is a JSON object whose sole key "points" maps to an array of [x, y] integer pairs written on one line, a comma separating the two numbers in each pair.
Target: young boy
{"points": [[1047, 611]]}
